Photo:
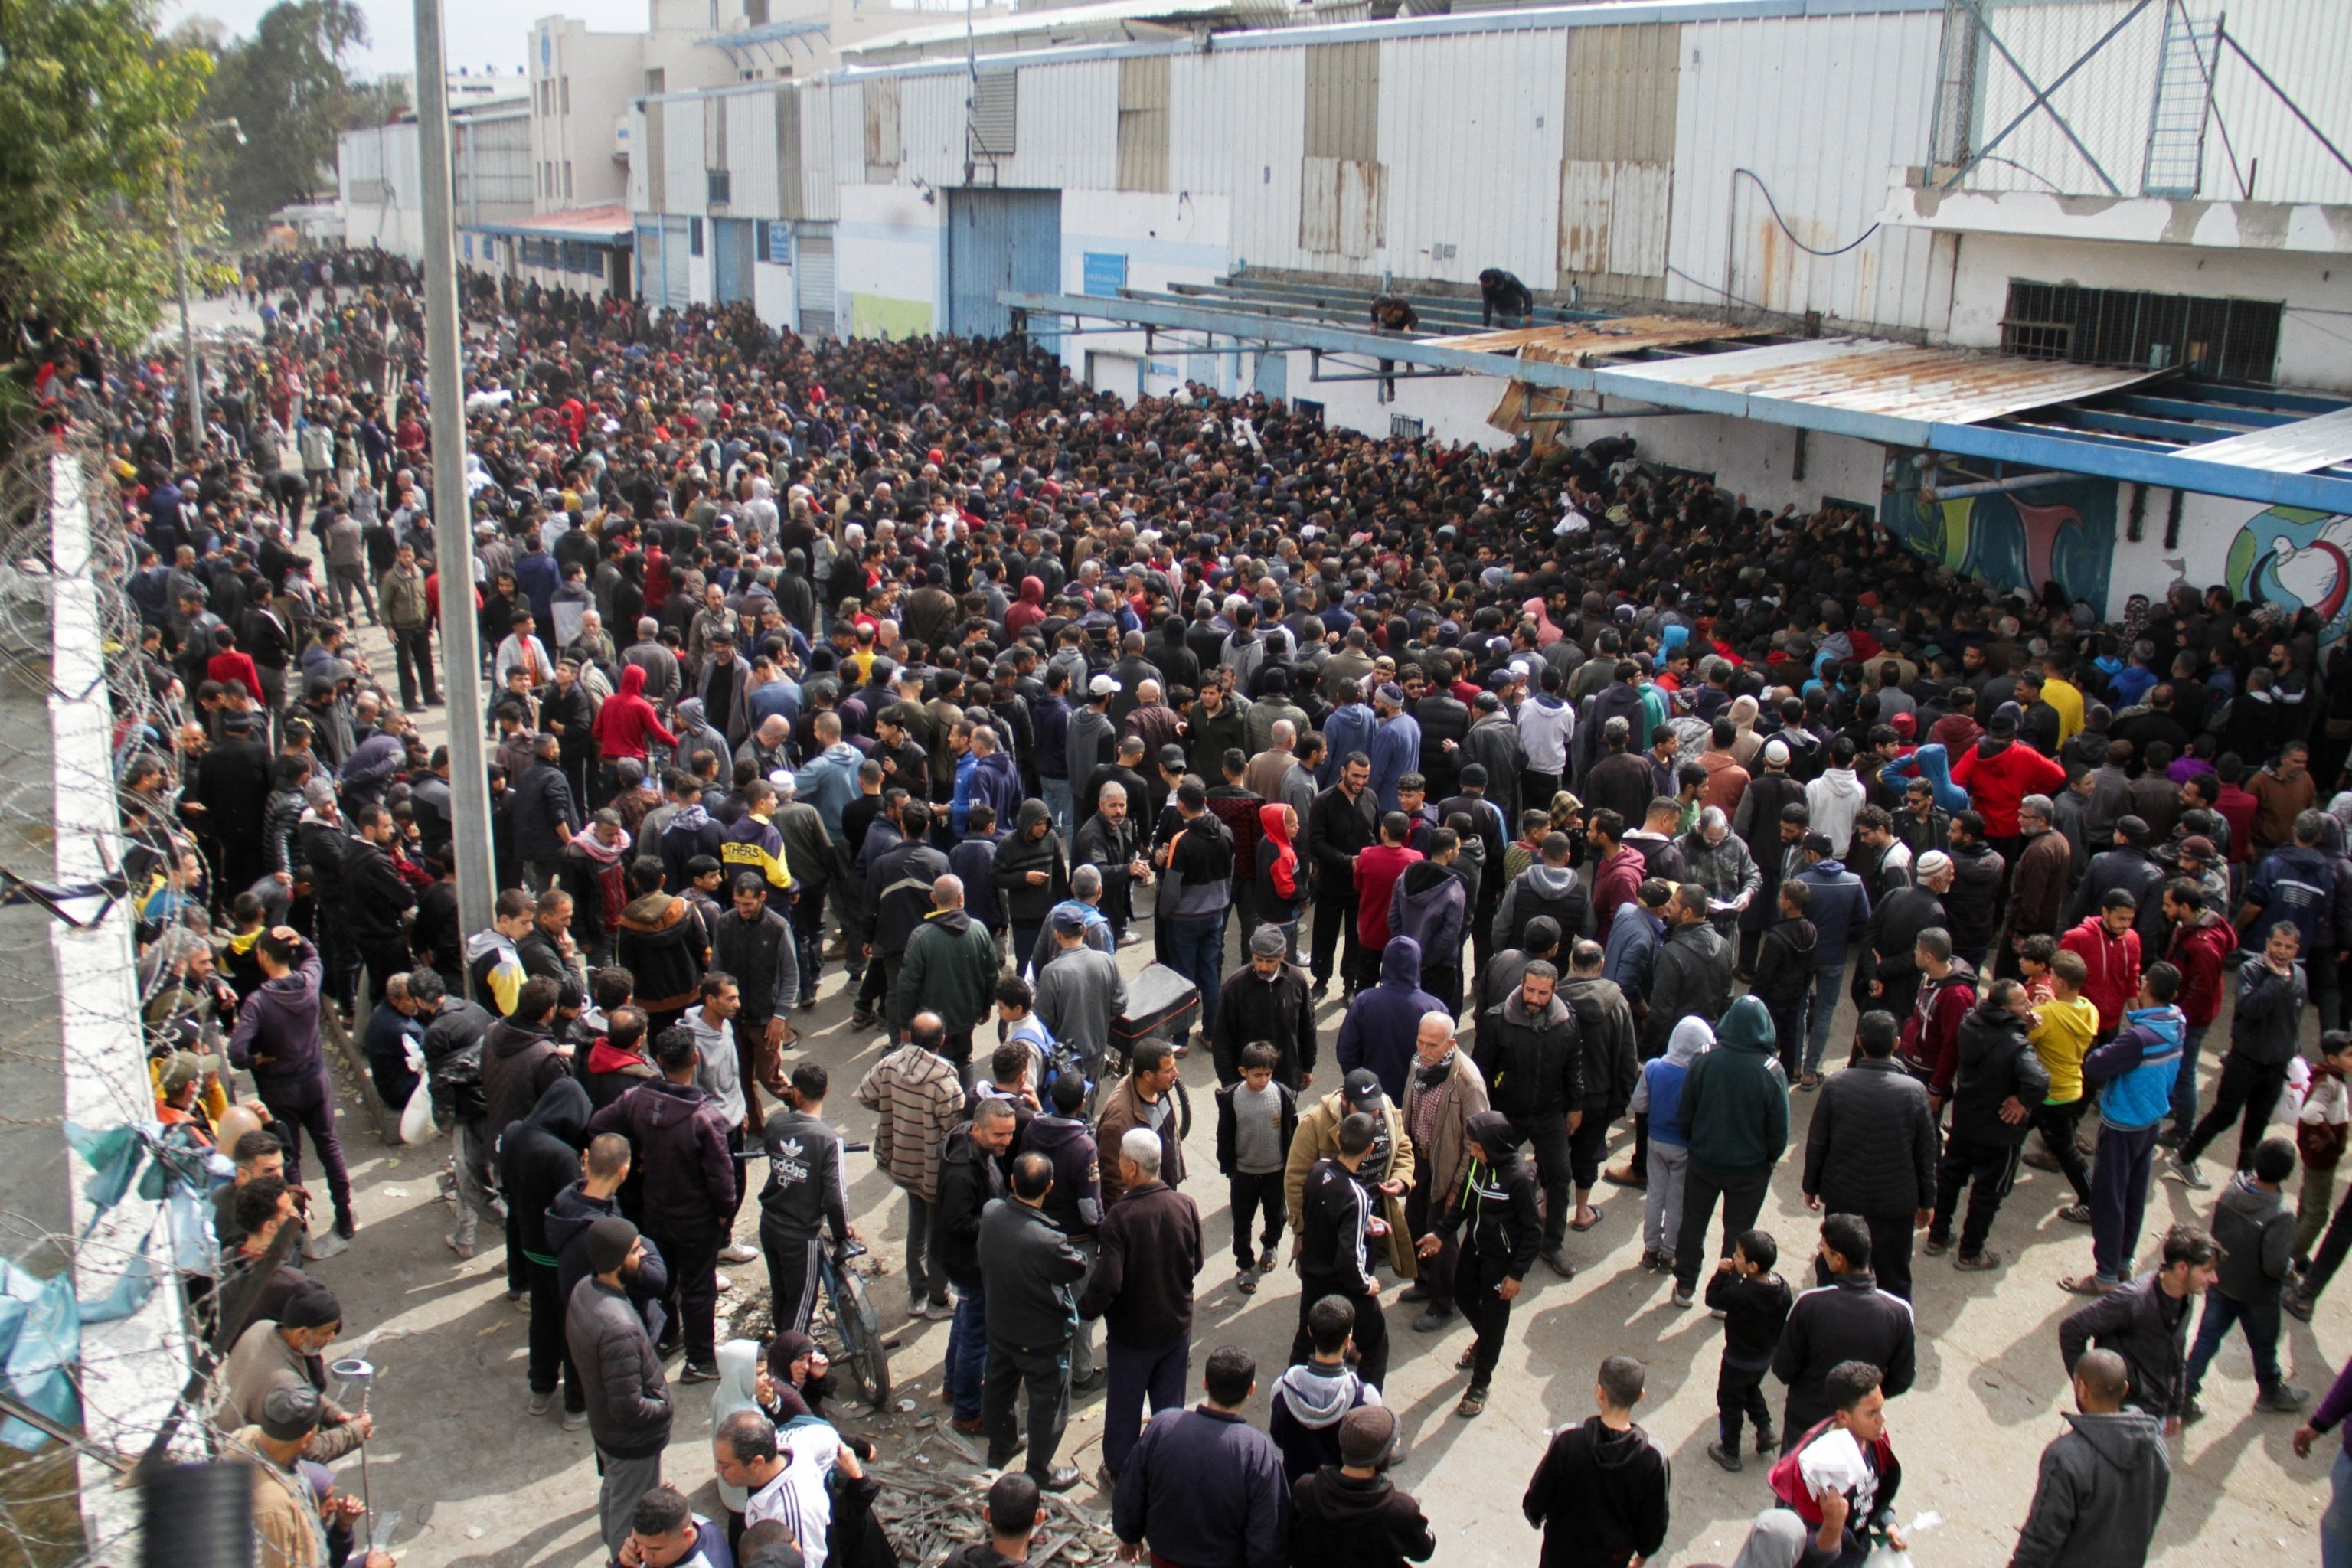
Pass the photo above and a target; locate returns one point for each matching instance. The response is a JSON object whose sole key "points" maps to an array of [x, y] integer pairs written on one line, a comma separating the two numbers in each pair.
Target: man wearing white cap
{"points": [[1091, 733]]}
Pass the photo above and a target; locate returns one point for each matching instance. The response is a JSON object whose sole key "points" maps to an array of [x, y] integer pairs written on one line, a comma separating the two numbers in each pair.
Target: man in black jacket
{"points": [[545, 814], [969, 1179], [1334, 1250], [1691, 973], [1999, 1081], [628, 1399], [1871, 1150], [1341, 826], [1027, 1269], [1498, 1203], [539, 1156], [2146, 1323], [1147, 1253], [754, 943], [377, 897], [1847, 1317], [807, 1192], [1534, 1067], [1269, 999]]}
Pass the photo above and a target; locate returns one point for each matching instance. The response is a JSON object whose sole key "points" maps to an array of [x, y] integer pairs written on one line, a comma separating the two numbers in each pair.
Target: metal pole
{"points": [[469, 789], [187, 327]]}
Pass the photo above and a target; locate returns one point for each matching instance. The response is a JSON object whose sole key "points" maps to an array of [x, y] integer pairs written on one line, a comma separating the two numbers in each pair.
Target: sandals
{"points": [[1467, 1359], [1473, 1405], [1587, 1225]]}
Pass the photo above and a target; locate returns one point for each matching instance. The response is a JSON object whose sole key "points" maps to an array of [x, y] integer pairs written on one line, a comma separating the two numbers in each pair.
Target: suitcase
{"points": [[1162, 1005]]}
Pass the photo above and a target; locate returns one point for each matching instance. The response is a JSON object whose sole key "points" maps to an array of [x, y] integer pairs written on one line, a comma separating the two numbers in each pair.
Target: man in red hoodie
{"points": [[1377, 870], [621, 728], [2110, 950], [1999, 774], [2202, 941]]}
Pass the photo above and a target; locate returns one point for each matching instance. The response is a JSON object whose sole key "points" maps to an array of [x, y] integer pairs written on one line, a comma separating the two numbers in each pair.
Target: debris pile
{"points": [[931, 1499]]}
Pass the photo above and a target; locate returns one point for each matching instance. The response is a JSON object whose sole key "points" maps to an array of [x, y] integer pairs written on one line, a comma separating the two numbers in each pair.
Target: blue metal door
{"points": [[1000, 240], [731, 259]]}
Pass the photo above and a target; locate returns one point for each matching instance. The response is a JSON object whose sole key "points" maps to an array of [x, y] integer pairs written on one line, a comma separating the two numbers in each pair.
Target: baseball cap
{"points": [[1102, 686], [1363, 1088]]}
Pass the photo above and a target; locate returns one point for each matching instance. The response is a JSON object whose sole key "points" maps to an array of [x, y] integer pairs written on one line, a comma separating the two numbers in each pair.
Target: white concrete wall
{"points": [[1167, 239], [889, 251], [771, 294]]}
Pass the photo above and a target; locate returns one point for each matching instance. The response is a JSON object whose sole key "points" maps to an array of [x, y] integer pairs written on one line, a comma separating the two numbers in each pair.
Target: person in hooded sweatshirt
{"points": [[1498, 1205], [1735, 1108], [1658, 1096], [1600, 1493], [2102, 1482], [1349, 1515], [596, 1196], [1313, 1397], [1279, 875], [1431, 904], [1384, 1020], [623, 724], [539, 1156], [2255, 1231]]}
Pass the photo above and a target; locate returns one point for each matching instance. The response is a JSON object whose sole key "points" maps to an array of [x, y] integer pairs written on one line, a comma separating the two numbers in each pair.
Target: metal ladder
{"points": [[2183, 102]]}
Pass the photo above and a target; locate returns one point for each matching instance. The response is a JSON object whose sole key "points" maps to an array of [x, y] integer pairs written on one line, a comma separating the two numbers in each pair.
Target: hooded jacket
{"points": [[1605, 1488], [1544, 890], [1995, 1063], [2114, 962], [1338, 1520], [661, 943], [1385, 1019], [1280, 878], [1735, 1102], [1429, 903], [1307, 1405], [1497, 1202], [995, 780], [950, 969], [1998, 774], [2255, 1231], [1075, 1202], [684, 1176], [1018, 854], [538, 1157], [1659, 1093], [626, 720], [2133, 1071], [969, 1181], [611, 1072], [276, 1033], [2101, 1491]]}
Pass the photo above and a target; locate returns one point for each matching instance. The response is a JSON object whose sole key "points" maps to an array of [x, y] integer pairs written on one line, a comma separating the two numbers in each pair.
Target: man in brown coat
{"points": [[1445, 1092], [1387, 1171], [1151, 1098], [2037, 888]]}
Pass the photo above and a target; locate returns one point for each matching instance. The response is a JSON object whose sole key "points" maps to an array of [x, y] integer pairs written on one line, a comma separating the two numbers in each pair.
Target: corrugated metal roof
{"points": [[1862, 375], [2301, 448], [1054, 19]]}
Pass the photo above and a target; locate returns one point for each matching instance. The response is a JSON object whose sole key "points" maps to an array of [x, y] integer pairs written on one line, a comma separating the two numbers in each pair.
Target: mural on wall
{"points": [[2297, 560], [2017, 541]]}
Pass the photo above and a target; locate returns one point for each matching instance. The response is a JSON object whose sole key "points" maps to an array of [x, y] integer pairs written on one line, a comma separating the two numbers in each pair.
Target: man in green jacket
{"points": [[950, 969], [1735, 1109]]}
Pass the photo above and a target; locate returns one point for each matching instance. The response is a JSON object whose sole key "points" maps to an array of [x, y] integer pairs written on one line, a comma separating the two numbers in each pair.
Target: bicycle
{"points": [[855, 1322]]}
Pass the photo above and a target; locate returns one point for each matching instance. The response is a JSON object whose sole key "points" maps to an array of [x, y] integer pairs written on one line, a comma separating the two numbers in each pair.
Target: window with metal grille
{"points": [[694, 237], [717, 183], [2228, 340]]}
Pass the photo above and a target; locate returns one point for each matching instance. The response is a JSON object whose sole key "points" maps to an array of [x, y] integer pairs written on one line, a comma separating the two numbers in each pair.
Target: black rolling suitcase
{"points": [[1162, 1005]]}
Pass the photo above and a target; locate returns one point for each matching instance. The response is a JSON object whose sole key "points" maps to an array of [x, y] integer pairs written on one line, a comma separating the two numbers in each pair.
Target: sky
{"points": [[476, 33]]}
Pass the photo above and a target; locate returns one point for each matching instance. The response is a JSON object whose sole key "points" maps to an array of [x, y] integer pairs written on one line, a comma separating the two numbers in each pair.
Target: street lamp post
{"points": [[469, 787], [189, 364]]}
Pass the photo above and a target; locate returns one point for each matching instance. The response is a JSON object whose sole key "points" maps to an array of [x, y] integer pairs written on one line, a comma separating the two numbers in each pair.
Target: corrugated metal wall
{"points": [[882, 128], [2305, 45], [931, 115], [655, 119], [822, 110], [682, 151], [1234, 127], [1617, 154], [751, 154], [1471, 130], [1069, 128], [787, 152], [1752, 96], [998, 240], [1143, 125]]}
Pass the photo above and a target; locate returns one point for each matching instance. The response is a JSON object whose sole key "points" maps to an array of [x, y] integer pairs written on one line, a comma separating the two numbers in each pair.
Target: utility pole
{"points": [[469, 785], [187, 326]]}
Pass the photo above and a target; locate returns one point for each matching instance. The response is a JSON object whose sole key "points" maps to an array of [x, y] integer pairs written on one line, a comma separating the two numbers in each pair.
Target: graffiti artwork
{"points": [[2062, 532], [2297, 560]]}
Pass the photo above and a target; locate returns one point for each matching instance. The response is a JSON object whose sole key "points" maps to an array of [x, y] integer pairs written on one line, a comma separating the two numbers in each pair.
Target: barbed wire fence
{"points": [[101, 1352]]}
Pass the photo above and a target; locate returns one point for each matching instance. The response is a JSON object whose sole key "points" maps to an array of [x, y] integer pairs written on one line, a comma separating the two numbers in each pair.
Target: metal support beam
{"points": [[2293, 107], [1992, 442], [1994, 486]]}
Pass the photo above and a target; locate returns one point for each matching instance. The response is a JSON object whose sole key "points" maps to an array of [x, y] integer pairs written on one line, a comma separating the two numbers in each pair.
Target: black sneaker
{"points": [[1418, 1290], [1766, 1441], [1060, 1479], [698, 1372], [1728, 1458]]}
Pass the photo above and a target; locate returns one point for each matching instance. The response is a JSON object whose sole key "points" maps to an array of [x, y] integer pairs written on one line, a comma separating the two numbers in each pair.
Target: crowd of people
{"points": [[1493, 803]]}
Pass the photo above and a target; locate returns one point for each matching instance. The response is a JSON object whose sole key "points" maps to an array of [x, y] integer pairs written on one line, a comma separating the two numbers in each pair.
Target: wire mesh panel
{"points": [[2228, 339]]}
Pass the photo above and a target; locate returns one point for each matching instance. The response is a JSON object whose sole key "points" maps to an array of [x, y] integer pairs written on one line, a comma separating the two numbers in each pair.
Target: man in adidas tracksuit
{"points": [[807, 1191]]}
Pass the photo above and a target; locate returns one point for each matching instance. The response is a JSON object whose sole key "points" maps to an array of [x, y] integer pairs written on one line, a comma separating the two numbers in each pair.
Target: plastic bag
{"points": [[417, 1121], [1884, 1556], [2288, 1109]]}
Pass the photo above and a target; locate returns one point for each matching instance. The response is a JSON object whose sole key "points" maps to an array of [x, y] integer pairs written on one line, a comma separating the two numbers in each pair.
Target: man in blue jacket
{"points": [[1838, 907], [2132, 1075], [1204, 1486]]}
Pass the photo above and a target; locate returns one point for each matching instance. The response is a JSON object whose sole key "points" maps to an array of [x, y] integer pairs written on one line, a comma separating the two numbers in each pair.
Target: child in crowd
{"points": [[1312, 1398], [1256, 1119], [2319, 1138], [1755, 1303], [1658, 1095], [1604, 1483], [1784, 978], [2063, 1028]]}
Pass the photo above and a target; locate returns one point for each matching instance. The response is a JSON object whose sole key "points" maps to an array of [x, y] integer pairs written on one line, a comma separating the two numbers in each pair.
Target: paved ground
{"points": [[480, 1482]]}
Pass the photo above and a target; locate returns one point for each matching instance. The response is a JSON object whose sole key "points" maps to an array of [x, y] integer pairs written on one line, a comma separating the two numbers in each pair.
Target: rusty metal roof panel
{"points": [[1574, 342], [1867, 375]]}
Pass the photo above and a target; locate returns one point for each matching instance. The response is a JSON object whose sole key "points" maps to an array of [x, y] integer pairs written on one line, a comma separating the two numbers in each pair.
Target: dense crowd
{"points": [[1591, 793]]}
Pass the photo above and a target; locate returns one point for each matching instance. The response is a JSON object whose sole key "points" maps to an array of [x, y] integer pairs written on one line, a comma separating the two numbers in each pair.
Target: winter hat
{"points": [[1368, 1437], [314, 1307], [1934, 863], [289, 1411], [609, 1240], [1267, 941]]}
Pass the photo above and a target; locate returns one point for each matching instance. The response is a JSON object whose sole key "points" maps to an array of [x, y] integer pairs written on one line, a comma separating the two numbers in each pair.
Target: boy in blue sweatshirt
{"points": [[2132, 1075]]}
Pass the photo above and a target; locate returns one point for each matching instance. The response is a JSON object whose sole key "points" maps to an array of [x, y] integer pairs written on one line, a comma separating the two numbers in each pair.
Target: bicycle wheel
{"points": [[861, 1336]]}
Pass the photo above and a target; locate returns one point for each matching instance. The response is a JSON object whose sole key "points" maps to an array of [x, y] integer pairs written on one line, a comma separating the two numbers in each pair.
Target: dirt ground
{"points": [[479, 1483]]}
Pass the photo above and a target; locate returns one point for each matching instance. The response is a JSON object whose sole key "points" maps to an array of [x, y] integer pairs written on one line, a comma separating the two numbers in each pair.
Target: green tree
{"points": [[287, 86], [95, 108]]}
